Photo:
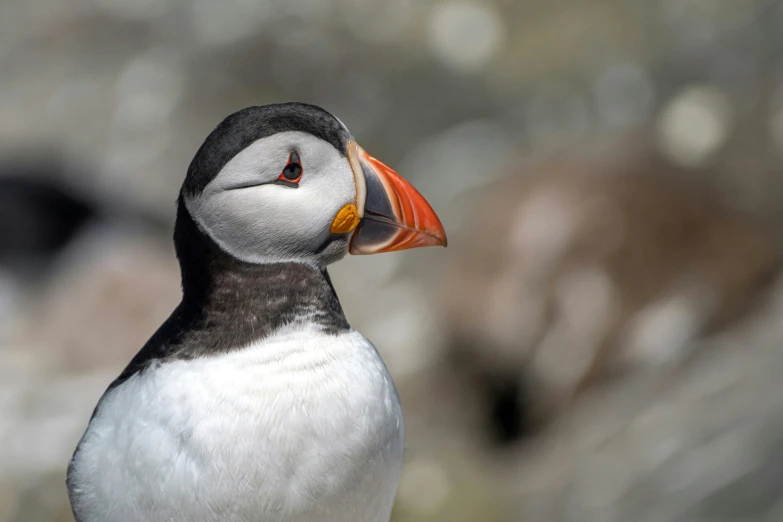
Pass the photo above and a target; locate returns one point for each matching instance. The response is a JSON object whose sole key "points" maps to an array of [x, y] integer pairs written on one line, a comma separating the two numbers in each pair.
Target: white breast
{"points": [[300, 427]]}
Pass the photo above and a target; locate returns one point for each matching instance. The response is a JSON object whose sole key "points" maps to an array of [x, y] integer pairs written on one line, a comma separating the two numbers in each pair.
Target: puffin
{"points": [[256, 401]]}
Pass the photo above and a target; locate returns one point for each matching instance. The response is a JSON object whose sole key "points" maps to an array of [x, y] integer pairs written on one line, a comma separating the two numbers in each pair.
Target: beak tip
{"points": [[440, 233], [441, 238]]}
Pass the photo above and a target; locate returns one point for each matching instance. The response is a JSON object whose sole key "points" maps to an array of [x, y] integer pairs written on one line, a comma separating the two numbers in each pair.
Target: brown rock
{"points": [[109, 294], [578, 269]]}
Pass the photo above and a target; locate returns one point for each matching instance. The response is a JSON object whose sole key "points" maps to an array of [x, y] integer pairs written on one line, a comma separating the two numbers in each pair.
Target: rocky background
{"points": [[602, 339]]}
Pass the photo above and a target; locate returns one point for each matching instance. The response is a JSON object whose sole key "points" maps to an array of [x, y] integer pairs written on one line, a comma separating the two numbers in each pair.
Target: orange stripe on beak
{"points": [[396, 216]]}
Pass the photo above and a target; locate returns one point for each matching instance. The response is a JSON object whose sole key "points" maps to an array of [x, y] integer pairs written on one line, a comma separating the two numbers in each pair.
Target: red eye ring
{"points": [[291, 174]]}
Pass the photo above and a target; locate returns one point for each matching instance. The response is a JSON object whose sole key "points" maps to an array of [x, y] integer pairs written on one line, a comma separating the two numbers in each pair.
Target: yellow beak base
{"points": [[346, 220]]}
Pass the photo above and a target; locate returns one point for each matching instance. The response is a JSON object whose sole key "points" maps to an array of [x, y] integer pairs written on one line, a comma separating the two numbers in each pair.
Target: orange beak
{"points": [[394, 216]]}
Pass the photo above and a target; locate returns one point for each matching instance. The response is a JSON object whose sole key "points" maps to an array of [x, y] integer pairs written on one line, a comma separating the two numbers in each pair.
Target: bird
{"points": [[256, 401]]}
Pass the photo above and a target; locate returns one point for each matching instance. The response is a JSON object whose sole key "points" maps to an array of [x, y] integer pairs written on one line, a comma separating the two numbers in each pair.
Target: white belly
{"points": [[301, 427]]}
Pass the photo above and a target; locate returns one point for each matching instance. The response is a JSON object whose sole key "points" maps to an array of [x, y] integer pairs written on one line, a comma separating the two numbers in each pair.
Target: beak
{"points": [[394, 216]]}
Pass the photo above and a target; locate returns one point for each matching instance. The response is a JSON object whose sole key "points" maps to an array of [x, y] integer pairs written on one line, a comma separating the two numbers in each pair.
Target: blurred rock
{"points": [[692, 451], [576, 271], [701, 442], [39, 216], [108, 294]]}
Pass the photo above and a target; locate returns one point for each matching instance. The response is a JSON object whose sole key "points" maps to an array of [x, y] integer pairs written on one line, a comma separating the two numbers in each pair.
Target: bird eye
{"points": [[292, 172]]}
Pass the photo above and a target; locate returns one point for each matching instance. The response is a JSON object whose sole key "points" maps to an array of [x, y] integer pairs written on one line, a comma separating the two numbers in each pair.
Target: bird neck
{"points": [[249, 299], [229, 304]]}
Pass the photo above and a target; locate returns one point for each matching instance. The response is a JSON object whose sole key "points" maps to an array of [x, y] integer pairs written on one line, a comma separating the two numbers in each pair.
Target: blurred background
{"points": [[600, 342]]}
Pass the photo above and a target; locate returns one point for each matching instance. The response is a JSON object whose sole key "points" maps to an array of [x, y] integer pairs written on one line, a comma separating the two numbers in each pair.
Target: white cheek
{"points": [[253, 222], [271, 222]]}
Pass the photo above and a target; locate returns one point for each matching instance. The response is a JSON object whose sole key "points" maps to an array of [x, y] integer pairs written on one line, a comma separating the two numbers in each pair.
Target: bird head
{"points": [[287, 182]]}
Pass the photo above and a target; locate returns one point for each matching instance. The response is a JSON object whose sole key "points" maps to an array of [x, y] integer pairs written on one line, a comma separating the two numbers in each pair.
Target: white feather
{"points": [[301, 427]]}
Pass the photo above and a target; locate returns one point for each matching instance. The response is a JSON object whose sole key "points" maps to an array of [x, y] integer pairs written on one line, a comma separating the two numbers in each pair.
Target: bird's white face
{"points": [[278, 200]]}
